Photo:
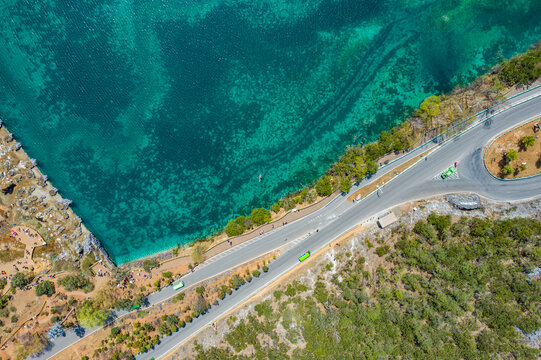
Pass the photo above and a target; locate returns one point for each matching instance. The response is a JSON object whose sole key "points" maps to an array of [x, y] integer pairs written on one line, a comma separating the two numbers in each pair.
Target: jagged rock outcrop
{"points": [[90, 243], [461, 202]]}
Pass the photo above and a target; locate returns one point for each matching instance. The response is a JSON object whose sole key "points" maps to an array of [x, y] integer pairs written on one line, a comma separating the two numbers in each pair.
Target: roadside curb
{"points": [[499, 136]]}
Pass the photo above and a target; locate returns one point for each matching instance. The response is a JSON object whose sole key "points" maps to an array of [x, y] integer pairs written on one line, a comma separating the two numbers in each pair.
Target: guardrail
{"points": [[471, 118]]}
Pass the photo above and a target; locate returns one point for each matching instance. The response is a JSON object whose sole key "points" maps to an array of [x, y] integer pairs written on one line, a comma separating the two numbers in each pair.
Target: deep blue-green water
{"points": [[156, 117]]}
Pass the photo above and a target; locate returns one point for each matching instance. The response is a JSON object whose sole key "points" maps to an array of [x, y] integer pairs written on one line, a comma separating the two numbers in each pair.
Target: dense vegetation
{"points": [[522, 68], [45, 288], [74, 282], [445, 291]]}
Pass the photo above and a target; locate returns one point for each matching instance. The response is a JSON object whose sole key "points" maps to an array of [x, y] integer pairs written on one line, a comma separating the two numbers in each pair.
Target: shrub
{"points": [[511, 155], [521, 68], [200, 305], [233, 228], [164, 330], [148, 265], [74, 282], [260, 216], [508, 169], [179, 297], [200, 289], [45, 288], [424, 229], [14, 318], [382, 250], [20, 280], [115, 331], [275, 207], [3, 283], [256, 273], [528, 141], [87, 262], [265, 268], [167, 274], [236, 281]]}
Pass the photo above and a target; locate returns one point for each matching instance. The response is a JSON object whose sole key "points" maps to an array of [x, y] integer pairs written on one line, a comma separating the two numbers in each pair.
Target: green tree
{"points": [[163, 329], [233, 228], [323, 186], [521, 68], [45, 288], [508, 169], [371, 167], [74, 282], [512, 155], [236, 281], [20, 280], [429, 108], [345, 185], [199, 305], [275, 207], [260, 216], [382, 250], [200, 290], [148, 265], [87, 262], [528, 141], [90, 315], [115, 331], [198, 253]]}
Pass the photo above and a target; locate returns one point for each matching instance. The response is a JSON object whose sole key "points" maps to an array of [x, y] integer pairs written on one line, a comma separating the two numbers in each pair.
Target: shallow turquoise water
{"points": [[156, 117]]}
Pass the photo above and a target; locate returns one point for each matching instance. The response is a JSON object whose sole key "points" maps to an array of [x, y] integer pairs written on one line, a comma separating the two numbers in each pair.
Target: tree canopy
{"points": [[73, 282], [260, 216], [20, 280], [467, 294], [345, 185], [45, 288], [324, 187], [90, 315]]}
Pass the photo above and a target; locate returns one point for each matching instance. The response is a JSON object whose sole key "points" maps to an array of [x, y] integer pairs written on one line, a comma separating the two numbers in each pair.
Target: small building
{"points": [[387, 220]]}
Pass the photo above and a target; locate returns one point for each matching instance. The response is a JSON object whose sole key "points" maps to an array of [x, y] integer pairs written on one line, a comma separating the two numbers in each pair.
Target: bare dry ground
{"points": [[530, 157]]}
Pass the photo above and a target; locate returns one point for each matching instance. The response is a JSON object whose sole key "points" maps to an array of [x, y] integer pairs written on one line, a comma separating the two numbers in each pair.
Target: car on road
{"points": [[448, 172], [178, 285], [304, 256]]}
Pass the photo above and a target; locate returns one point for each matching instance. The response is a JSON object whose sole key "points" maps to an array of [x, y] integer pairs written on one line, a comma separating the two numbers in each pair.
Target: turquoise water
{"points": [[156, 117]]}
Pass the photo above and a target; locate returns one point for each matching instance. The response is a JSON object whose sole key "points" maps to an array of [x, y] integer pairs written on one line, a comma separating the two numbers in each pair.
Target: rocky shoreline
{"points": [[29, 197]]}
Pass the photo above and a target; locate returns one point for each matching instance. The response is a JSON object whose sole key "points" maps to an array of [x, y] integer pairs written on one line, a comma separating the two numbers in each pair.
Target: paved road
{"points": [[420, 181]]}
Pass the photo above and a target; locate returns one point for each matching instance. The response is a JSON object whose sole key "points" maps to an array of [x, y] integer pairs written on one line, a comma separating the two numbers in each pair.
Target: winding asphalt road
{"points": [[420, 181]]}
